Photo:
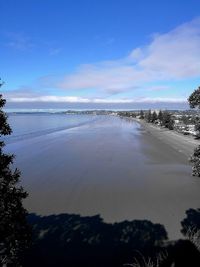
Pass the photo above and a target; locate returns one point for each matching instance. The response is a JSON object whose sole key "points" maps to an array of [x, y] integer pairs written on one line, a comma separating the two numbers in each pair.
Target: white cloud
{"points": [[173, 55], [75, 99]]}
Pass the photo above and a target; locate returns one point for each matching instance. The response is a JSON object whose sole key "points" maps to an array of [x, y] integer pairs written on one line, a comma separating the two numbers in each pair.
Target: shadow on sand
{"points": [[72, 240]]}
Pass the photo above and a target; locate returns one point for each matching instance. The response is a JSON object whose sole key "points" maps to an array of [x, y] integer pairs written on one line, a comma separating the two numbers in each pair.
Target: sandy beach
{"points": [[118, 168], [184, 144]]}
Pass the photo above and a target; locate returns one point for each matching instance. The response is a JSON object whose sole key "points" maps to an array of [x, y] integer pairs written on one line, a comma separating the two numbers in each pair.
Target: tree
{"points": [[197, 129], [185, 119], [154, 117], [148, 116], [14, 230], [141, 114], [195, 160], [194, 102], [167, 121], [160, 117], [194, 98]]}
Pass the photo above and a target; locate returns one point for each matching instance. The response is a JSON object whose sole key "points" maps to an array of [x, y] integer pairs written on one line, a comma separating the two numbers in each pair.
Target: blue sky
{"points": [[99, 53]]}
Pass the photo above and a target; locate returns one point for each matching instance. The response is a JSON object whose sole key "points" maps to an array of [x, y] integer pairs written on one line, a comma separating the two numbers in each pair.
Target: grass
{"points": [[193, 234], [142, 262]]}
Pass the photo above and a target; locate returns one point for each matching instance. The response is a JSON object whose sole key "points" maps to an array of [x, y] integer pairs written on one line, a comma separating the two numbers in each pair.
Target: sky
{"points": [[122, 54]]}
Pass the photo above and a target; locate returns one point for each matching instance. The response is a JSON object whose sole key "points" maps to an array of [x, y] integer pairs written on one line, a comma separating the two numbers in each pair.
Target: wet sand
{"points": [[184, 144], [120, 169]]}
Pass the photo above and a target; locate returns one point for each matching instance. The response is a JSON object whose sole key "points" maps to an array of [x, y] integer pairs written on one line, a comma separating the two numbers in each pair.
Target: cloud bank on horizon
{"points": [[148, 74]]}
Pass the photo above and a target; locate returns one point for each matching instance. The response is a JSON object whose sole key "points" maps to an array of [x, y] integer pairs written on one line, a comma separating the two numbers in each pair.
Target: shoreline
{"points": [[184, 144]]}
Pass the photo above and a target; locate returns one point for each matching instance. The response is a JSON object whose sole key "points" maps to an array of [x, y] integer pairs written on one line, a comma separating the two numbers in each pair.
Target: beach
{"points": [[118, 168], [184, 144]]}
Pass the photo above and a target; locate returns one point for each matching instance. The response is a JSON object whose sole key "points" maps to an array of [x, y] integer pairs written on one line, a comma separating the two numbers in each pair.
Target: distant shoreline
{"points": [[184, 144]]}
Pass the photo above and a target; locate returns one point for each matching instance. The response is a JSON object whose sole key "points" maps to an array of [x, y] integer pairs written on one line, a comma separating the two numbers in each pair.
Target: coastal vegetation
{"points": [[194, 101], [14, 229], [162, 118], [195, 160], [75, 241]]}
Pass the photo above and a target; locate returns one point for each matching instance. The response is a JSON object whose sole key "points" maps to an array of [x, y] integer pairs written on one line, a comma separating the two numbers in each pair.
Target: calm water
{"points": [[101, 165], [27, 126]]}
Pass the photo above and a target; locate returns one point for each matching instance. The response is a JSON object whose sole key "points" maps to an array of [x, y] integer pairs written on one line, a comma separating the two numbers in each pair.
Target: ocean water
{"points": [[105, 165], [30, 125]]}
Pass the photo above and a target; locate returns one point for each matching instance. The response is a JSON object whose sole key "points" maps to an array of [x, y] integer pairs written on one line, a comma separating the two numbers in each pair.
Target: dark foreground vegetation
{"points": [[14, 230], [194, 101], [73, 240]]}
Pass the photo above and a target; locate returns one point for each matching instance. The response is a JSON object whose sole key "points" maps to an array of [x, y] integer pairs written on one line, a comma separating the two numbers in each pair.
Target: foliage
{"points": [[195, 159], [185, 119], [148, 116], [76, 241], [192, 220], [73, 240], [191, 227], [154, 117], [14, 230], [160, 116], [167, 120], [141, 114], [149, 262], [197, 129], [194, 99], [193, 234]]}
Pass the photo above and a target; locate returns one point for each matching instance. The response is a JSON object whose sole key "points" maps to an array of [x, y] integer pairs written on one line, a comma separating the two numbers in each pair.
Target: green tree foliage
{"points": [[14, 230], [185, 119], [194, 101], [160, 117], [197, 129], [148, 116], [74, 240], [192, 220], [141, 114], [195, 160], [167, 120], [154, 117]]}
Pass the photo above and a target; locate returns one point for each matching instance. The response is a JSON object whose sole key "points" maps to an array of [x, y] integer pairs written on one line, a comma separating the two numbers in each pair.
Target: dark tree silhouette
{"points": [[148, 116], [192, 220], [154, 117], [14, 230], [197, 129], [194, 101], [76, 241], [195, 160], [141, 114], [167, 121], [160, 117]]}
